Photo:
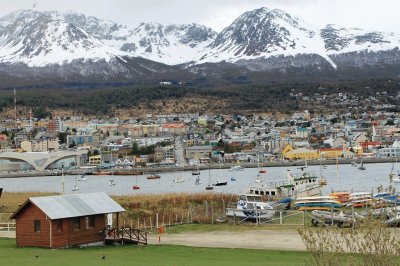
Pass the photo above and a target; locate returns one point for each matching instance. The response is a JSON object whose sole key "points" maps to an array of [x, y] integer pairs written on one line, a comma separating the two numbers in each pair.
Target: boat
{"points": [[335, 218], [153, 177], [220, 183], [360, 199], [233, 178], [102, 173], [262, 171], [135, 187], [294, 185], [197, 181], [82, 178], [179, 180], [209, 186], [341, 196], [361, 167], [251, 207], [111, 182], [236, 168], [196, 171], [75, 188], [318, 202]]}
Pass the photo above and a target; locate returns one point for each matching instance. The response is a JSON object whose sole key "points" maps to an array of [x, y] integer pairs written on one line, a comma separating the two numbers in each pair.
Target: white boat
{"points": [[259, 179], [82, 178], [302, 184], [335, 218], [75, 188], [179, 180], [236, 168], [251, 207], [111, 182], [196, 171]]}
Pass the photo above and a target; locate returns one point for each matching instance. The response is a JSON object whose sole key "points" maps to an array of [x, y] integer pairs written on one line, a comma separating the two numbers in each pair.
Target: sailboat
{"points": [[111, 181], [209, 186], [361, 167], [179, 179], [82, 178], [261, 170], [196, 171], [233, 175], [75, 188], [220, 183], [136, 186]]}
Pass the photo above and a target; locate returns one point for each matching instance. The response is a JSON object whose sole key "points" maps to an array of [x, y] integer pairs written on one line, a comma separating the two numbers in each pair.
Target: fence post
{"points": [[212, 213], [223, 207], [234, 217], [206, 210], [138, 222], [151, 224], [280, 217], [304, 218], [157, 220], [169, 220]]}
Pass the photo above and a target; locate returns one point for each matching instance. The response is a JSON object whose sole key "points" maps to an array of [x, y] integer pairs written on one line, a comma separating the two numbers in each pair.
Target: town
{"points": [[45, 146]]}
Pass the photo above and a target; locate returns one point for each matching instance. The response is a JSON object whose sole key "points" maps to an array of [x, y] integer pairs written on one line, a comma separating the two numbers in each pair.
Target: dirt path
{"points": [[261, 239]]}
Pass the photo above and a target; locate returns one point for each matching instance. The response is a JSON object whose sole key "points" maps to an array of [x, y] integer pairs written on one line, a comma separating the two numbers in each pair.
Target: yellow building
{"points": [[299, 154]]}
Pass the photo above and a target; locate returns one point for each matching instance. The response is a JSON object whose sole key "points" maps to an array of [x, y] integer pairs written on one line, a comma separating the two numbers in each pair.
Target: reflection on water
{"points": [[344, 177]]}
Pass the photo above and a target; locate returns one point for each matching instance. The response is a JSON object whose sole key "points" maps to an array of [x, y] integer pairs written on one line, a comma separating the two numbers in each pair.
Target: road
{"points": [[260, 239]]}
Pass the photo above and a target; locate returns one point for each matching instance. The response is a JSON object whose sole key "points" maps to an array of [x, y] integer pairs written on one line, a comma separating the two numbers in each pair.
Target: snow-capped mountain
{"points": [[172, 44], [266, 33], [258, 40], [40, 39]]}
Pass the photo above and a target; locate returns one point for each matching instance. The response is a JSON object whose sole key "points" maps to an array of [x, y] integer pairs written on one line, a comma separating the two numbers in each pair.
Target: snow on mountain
{"points": [[39, 39], [264, 33], [340, 40], [171, 44]]}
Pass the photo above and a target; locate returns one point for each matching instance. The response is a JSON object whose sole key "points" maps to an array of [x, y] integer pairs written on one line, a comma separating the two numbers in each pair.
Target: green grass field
{"points": [[145, 255]]}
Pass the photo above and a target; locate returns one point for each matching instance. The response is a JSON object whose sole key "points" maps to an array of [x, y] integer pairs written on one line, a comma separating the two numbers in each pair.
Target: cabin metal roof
{"points": [[74, 205]]}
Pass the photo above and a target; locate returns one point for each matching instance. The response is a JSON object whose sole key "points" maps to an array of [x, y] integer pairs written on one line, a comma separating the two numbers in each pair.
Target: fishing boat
{"points": [[251, 207], [258, 179], [294, 185], [135, 187], [153, 177]]}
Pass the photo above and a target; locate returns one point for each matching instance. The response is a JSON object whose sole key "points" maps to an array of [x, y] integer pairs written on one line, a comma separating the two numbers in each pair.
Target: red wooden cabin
{"points": [[64, 221]]}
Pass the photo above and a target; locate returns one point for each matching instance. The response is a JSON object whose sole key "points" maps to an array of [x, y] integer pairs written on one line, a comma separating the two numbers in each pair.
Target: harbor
{"points": [[343, 177]]}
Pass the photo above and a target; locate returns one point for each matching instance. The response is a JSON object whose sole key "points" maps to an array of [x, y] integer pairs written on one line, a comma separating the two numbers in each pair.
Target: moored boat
{"points": [[135, 187], [251, 207], [153, 177], [294, 185], [103, 173], [318, 202]]}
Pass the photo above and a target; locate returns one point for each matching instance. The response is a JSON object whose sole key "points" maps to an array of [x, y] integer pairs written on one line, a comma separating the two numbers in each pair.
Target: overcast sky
{"points": [[217, 14]]}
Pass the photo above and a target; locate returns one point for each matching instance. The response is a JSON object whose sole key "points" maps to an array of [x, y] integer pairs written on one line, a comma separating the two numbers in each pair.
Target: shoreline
{"points": [[162, 169]]}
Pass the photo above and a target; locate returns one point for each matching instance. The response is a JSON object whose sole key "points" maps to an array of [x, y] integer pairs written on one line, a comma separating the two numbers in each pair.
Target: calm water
{"points": [[346, 178]]}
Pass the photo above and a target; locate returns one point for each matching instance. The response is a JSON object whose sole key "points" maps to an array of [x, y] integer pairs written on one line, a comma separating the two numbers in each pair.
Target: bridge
{"points": [[41, 160]]}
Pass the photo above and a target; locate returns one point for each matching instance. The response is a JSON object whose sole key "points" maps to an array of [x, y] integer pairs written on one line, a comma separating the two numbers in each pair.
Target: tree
{"points": [[62, 137]]}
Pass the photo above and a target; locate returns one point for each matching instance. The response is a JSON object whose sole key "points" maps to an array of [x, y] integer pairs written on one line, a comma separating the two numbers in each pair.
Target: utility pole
{"points": [[15, 105]]}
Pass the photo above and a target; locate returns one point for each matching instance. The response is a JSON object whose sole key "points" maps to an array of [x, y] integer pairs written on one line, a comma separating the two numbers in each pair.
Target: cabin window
{"points": [[76, 223], [313, 180], [267, 193], [262, 192], [89, 221], [58, 225], [292, 188], [36, 226], [272, 193]]}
